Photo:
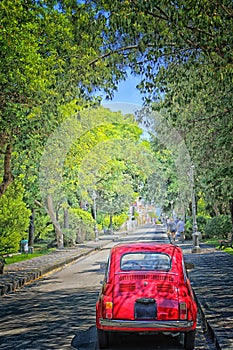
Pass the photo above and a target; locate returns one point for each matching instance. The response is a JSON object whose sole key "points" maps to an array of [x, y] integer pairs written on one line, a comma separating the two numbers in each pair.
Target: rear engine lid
{"points": [[155, 292]]}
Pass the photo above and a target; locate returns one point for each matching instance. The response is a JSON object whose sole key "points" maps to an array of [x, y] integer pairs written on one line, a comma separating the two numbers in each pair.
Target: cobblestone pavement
{"points": [[212, 282], [211, 278], [18, 274]]}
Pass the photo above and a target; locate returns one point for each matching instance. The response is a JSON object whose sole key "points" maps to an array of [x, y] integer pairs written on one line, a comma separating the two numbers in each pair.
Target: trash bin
{"points": [[24, 246], [30, 250]]}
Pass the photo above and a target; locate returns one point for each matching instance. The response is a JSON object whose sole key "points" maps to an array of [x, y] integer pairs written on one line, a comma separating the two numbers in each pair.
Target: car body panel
{"points": [[139, 296]]}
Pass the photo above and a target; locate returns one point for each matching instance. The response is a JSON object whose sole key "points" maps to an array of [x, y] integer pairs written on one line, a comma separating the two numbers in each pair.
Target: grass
{"points": [[215, 243], [39, 250], [211, 241]]}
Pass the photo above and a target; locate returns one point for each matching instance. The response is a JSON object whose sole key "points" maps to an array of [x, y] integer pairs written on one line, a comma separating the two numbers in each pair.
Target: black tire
{"points": [[189, 340], [103, 339]]}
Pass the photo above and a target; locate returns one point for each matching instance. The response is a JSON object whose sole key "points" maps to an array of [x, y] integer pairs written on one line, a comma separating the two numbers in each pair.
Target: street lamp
{"points": [[196, 248], [94, 196], [172, 209]]}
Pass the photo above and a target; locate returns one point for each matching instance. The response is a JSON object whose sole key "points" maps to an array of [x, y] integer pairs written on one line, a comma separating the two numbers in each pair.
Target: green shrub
{"points": [[188, 228], [14, 219], [44, 229], [219, 226], [117, 221], [81, 226], [201, 224]]}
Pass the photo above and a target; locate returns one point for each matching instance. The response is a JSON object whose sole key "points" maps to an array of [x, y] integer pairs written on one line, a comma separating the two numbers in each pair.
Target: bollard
{"points": [[30, 250], [196, 248], [2, 264]]}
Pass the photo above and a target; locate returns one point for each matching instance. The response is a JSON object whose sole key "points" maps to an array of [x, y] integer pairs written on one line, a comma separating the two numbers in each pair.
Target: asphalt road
{"points": [[58, 311]]}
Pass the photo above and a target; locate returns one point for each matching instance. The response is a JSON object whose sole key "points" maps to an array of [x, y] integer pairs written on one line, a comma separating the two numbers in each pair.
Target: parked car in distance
{"points": [[146, 290]]}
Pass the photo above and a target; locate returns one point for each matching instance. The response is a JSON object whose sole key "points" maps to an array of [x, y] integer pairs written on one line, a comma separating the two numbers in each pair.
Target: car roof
{"points": [[146, 246]]}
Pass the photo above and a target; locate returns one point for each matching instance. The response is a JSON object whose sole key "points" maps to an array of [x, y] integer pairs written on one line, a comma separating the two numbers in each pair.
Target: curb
{"points": [[207, 326], [12, 281]]}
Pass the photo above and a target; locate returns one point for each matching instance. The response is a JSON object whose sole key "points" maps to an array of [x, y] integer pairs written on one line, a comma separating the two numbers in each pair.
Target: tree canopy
{"points": [[57, 56]]}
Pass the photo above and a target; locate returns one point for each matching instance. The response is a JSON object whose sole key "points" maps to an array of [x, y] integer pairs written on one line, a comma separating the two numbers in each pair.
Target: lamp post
{"points": [[172, 209], [94, 196], [196, 248]]}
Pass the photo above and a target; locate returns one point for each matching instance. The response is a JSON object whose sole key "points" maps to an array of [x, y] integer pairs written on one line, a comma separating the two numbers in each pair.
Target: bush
{"points": [[219, 227], [81, 226], [44, 230], [188, 228], [14, 219], [201, 224], [117, 221]]}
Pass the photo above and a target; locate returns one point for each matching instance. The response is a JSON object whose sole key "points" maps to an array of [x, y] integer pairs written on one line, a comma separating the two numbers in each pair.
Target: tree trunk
{"points": [[216, 210], [66, 217], [31, 229], [7, 176], [231, 212], [110, 224], [58, 232]]}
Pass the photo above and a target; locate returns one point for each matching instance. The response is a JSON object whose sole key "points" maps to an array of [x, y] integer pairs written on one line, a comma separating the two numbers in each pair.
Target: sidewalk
{"points": [[212, 282], [18, 274], [211, 278]]}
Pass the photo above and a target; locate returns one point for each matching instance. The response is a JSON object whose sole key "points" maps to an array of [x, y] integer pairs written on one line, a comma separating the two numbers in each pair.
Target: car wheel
{"points": [[103, 339], [189, 340]]}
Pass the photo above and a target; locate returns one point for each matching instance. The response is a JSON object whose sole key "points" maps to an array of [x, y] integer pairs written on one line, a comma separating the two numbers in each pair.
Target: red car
{"points": [[146, 290]]}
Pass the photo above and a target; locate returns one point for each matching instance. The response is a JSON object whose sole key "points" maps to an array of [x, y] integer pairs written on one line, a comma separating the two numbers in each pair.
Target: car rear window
{"points": [[145, 261]]}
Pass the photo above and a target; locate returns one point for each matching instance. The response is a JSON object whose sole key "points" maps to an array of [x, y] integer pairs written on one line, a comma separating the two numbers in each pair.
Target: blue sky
{"points": [[127, 91], [127, 98]]}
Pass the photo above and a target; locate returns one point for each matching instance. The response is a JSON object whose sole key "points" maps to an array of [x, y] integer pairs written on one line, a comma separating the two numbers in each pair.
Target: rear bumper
{"points": [[154, 325]]}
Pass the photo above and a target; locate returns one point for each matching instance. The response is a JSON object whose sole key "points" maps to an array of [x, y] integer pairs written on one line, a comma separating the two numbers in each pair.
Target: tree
{"points": [[56, 54], [83, 151], [46, 72], [201, 110], [183, 51], [46, 75]]}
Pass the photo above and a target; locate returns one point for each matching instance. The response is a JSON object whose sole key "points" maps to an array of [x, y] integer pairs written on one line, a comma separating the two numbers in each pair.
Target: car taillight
{"points": [[108, 309], [183, 311]]}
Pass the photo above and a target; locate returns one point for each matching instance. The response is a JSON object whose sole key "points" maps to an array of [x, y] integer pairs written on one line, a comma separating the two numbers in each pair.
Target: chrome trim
{"points": [[146, 324]]}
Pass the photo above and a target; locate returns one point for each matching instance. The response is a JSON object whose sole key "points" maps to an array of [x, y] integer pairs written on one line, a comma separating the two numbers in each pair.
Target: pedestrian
{"points": [[172, 229], [180, 230]]}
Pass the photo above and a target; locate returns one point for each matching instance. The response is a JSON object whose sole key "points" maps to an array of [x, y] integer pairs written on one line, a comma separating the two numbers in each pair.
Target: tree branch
{"points": [[197, 120], [121, 49]]}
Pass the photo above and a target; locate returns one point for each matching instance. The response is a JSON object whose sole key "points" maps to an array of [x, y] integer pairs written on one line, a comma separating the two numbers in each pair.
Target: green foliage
{"points": [[14, 219], [201, 224], [55, 54], [107, 156], [219, 226], [186, 50], [117, 221], [188, 228], [202, 208], [81, 226], [44, 229]]}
